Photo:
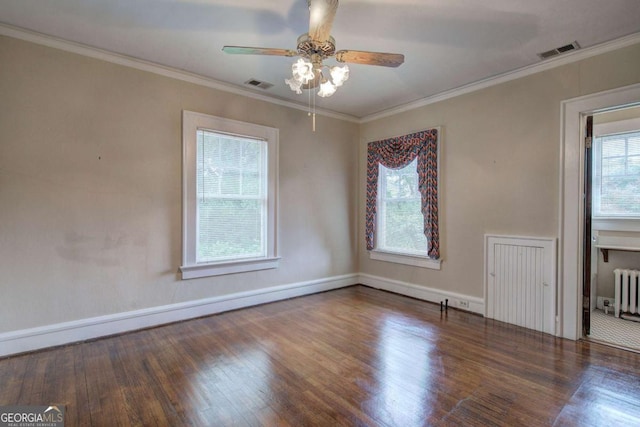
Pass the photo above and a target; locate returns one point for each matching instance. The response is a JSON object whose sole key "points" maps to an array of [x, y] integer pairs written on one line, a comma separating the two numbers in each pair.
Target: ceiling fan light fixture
{"points": [[339, 75], [327, 89], [313, 48], [294, 85], [302, 71]]}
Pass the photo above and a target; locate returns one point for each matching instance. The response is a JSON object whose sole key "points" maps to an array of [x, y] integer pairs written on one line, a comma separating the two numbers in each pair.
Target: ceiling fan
{"points": [[316, 46]]}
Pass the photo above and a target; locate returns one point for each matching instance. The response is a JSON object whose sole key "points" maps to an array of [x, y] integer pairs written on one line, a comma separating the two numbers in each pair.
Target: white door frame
{"points": [[573, 113]]}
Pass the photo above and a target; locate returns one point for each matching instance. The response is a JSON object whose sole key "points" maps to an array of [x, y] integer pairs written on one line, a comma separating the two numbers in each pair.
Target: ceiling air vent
{"points": [[559, 50], [258, 84]]}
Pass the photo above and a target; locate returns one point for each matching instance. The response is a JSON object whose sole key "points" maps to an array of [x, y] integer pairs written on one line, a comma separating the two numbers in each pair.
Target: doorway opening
{"points": [[612, 227], [574, 113]]}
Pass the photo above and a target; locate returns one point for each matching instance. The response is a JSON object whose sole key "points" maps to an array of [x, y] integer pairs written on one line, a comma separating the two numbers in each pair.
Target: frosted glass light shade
{"points": [[302, 70], [339, 75], [295, 85], [326, 89]]}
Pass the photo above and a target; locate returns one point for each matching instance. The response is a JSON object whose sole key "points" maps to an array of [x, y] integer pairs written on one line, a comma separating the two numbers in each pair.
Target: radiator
{"points": [[627, 292], [520, 277]]}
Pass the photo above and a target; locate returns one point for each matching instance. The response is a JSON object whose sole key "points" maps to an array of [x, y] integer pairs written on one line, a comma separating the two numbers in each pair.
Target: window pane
{"points": [[229, 228], [401, 183], [634, 145], [230, 151], [251, 155], [404, 229], [230, 182], [250, 184], [613, 146], [391, 183], [407, 183], [208, 173], [613, 166], [620, 196], [633, 165]]}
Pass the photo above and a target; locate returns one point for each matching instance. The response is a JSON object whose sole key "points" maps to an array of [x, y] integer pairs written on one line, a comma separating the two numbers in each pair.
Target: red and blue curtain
{"points": [[397, 153]]}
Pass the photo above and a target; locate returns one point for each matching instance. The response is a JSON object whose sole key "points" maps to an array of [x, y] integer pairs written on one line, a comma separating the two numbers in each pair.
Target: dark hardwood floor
{"points": [[354, 356]]}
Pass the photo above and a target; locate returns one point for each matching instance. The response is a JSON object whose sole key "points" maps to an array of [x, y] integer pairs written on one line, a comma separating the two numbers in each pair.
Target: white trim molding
{"points": [[573, 117], [408, 259], [475, 304], [128, 61], [80, 330], [21, 341], [267, 160], [538, 67], [152, 67], [204, 270]]}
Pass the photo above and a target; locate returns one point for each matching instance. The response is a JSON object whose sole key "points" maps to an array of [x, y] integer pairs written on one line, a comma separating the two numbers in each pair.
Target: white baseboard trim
{"points": [[475, 304], [25, 340]]}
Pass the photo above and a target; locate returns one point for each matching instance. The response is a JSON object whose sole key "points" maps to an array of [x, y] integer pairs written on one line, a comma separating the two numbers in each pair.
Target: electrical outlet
{"points": [[463, 304]]}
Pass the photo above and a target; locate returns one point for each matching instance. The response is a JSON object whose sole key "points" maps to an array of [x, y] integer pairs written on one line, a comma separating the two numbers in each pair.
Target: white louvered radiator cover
{"points": [[520, 281]]}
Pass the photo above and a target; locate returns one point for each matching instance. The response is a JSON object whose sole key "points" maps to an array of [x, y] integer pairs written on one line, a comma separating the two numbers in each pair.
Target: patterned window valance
{"points": [[396, 153]]}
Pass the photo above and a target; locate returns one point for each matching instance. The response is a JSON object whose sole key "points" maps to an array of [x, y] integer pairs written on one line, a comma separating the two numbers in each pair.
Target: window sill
{"points": [[414, 260], [228, 267]]}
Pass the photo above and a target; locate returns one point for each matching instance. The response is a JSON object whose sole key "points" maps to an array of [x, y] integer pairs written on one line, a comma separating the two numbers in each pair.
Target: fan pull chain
{"points": [[313, 120], [309, 103], [309, 99]]}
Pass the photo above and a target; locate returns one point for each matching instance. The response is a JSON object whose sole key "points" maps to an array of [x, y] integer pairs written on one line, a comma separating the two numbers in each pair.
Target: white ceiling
{"points": [[446, 43]]}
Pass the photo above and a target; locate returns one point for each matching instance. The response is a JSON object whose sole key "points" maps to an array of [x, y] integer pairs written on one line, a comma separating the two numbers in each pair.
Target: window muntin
{"points": [[400, 226], [616, 178]]}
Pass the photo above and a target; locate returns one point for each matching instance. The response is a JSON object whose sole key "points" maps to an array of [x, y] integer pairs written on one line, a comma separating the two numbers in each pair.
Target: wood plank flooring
{"points": [[353, 357]]}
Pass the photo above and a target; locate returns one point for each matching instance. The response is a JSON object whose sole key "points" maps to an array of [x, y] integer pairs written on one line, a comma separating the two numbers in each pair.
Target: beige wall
{"points": [[90, 189], [90, 181], [499, 164]]}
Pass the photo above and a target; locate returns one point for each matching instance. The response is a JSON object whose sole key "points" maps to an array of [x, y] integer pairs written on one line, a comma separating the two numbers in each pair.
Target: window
{"points": [[616, 178], [402, 200], [229, 196], [400, 221]]}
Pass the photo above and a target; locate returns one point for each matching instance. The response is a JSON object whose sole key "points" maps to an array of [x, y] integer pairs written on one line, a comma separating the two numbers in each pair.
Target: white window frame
{"points": [[615, 223], [415, 260], [191, 123]]}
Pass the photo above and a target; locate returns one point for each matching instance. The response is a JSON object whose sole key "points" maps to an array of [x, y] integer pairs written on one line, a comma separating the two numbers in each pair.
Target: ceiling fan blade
{"points": [[370, 58], [321, 14], [244, 50]]}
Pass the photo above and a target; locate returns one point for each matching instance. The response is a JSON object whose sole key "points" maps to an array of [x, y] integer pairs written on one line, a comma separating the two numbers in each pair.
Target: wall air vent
{"points": [[258, 84], [559, 50]]}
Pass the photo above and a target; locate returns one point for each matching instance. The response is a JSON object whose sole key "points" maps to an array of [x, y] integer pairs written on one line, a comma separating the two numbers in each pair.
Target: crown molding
{"points": [[547, 64], [152, 67], [128, 61]]}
